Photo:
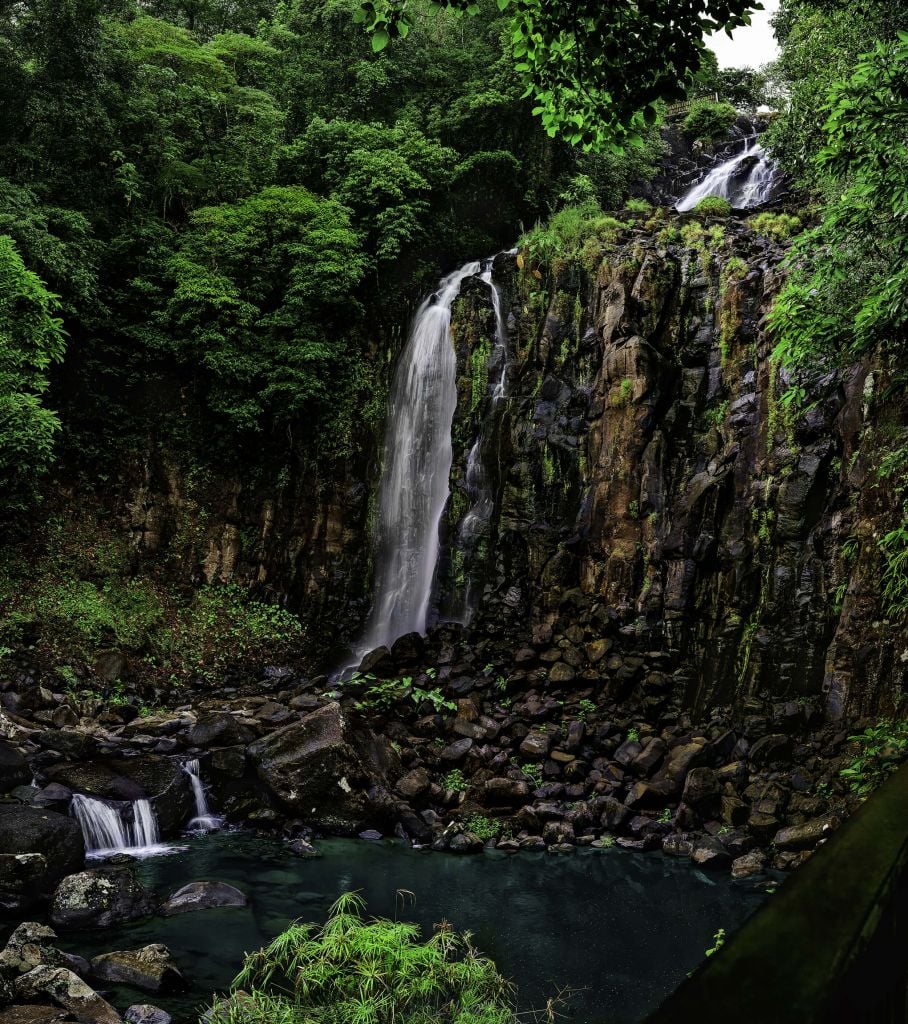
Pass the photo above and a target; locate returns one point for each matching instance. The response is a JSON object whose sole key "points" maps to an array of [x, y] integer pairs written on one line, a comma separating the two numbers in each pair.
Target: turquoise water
{"points": [[619, 929]]}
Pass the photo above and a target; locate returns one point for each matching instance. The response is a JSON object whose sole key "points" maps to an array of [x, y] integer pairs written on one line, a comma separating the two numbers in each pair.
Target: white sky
{"points": [[749, 47]]}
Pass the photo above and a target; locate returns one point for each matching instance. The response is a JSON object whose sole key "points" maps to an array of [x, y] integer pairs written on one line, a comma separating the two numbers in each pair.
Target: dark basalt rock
{"points": [[100, 897], [37, 848], [13, 769], [203, 896], [328, 771], [219, 730]]}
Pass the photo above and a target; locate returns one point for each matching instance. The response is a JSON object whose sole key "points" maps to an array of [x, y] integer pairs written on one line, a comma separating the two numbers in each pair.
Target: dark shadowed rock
{"points": [[13, 769], [219, 730], [749, 864], [496, 792], [710, 853], [775, 749], [328, 771], [100, 897], [455, 752], [203, 896], [55, 838], [145, 1013], [150, 968]]}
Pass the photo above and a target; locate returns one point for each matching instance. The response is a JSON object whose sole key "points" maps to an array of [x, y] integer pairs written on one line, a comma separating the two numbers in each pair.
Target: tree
{"points": [[31, 339], [848, 293], [261, 301], [595, 70]]}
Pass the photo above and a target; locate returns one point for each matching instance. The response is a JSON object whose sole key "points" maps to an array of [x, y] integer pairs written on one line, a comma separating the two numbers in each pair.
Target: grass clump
{"points": [[713, 206], [775, 225], [482, 827], [354, 970], [570, 232]]}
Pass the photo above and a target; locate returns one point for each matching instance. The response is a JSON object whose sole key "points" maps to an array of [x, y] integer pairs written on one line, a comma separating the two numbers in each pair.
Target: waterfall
{"points": [[109, 828], [417, 465], [476, 480], [743, 185], [204, 820]]}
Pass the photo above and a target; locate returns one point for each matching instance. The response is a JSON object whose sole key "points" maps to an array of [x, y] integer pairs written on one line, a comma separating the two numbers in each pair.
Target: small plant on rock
{"points": [[482, 827], [633, 736], [882, 748], [713, 206], [455, 781], [587, 708]]}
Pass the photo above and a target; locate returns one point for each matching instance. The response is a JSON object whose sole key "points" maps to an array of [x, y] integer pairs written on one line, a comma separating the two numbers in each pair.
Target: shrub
{"points": [[482, 827], [353, 970], [709, 120], [775, 225], [882, 748], [640, 206], [713, 206]]}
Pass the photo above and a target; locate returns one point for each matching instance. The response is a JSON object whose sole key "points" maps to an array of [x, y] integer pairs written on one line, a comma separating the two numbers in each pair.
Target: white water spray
{"points": [[414, 487], [109, 828], [743, 187], [204, 820]]}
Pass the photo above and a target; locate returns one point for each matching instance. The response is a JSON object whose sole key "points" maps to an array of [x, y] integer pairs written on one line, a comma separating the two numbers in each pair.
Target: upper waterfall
{"points": [[745, 180], [417, 465]]}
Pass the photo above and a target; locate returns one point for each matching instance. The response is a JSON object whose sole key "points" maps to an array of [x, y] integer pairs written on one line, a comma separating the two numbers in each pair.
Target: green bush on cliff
{"points": [[367, 971], [713, 206], [709, 120]]}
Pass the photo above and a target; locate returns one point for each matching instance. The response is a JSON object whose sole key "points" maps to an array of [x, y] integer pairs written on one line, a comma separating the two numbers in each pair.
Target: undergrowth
{"points": [[354, 970]]}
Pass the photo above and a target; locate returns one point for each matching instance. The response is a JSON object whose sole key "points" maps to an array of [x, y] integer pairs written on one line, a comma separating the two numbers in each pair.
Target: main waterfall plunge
{"points": [[746, 180], [415, 486]]}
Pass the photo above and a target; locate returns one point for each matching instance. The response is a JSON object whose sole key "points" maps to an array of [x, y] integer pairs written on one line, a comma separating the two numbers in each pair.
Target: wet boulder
{"points": [[496, 792], [100, 897], [219, 730], [150, 968], [203, 896], [710, 853], [37, 848], [327, 770], [145, 1013], [67, 990], [806, 836]]}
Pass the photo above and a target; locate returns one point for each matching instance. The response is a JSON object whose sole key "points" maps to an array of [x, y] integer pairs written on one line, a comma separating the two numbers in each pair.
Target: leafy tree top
{"points": [[596, 71]]}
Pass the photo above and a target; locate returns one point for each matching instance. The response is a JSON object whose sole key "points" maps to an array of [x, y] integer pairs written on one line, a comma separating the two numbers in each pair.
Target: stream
{"points": [[620, 929]]}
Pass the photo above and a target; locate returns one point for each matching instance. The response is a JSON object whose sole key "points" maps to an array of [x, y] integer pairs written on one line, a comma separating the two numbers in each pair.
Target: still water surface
{"points": [[620, 929]]}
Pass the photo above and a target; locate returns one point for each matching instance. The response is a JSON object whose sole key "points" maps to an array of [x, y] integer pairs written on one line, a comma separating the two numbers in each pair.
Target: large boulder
{"points": [[30, 946], [328, 771], [203, 896], [100, 897], [13, 769], [150, 968], [219, 730], [806, 836], [37, 848], [68, 990]]}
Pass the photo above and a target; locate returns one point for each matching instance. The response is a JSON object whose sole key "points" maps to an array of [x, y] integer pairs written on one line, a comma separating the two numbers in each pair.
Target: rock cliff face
{"points": [[646, 468], [645, 478]]}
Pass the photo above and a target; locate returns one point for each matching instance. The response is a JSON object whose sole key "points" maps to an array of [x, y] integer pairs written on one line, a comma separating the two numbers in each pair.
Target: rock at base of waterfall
{"points": [[100, 897], [37, 848], [150, 968], [30, 946], [203, 896], [68, 990], [145, 1013], [328, 771]]}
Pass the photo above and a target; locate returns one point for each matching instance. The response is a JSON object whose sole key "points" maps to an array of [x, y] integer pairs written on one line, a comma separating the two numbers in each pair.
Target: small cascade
{"points": [[746, 180], [110, 828], [477, 484], [204, 820], [417, 464]]}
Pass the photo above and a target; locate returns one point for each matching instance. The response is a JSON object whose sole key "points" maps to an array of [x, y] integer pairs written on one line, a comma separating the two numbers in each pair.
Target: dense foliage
{"points": [[596, 71], [236, 205], [31, 338], [352, 970]]}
